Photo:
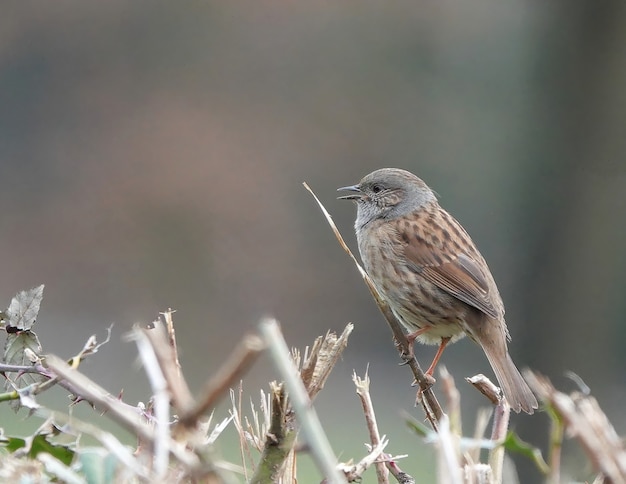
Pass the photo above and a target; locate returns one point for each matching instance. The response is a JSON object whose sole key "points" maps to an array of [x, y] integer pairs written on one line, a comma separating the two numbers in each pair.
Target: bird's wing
{"points": [[455, 272]]}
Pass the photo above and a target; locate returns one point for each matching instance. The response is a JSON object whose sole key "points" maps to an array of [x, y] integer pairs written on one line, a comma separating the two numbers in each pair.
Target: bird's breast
{"points": [[380, 249], [415, 301]]}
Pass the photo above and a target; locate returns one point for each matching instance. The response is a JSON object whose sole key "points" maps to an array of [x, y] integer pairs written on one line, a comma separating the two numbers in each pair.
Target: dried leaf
{"points": [[24, 308], [19, 349]]}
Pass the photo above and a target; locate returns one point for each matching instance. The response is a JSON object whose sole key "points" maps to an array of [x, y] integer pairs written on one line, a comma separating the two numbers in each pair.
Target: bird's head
{"points": [[388, 193]]}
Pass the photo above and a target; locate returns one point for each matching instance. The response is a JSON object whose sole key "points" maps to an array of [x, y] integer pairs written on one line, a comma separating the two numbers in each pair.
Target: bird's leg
{"points": [[411, 337], [429, 373], [442, 346]]}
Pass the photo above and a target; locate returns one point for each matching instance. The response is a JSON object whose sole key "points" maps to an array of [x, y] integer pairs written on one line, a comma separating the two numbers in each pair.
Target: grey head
{"points": [[388, 193]]}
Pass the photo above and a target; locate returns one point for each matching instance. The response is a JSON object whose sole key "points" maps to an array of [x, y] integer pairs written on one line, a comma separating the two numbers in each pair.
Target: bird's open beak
{"points": [[352, 188]]}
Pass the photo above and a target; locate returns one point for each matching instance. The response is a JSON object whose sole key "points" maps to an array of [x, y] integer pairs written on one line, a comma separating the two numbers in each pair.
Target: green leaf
{"points": [[60, 452], [418, 427], [36, 444], [513, 443], [13, 443], [24, 308]]}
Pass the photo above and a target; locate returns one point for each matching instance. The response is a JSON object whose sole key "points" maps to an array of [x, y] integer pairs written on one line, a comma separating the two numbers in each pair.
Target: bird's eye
{"points": [[377, 188]]}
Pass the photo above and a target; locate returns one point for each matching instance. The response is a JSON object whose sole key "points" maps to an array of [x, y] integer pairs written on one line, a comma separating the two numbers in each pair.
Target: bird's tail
{"points": [[515, 388]]}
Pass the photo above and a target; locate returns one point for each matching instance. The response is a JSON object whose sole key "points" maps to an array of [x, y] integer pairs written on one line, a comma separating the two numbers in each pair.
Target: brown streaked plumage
{"points": [[430, 272]]}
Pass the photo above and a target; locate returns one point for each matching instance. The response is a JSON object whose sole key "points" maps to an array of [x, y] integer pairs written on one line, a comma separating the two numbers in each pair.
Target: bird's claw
{"points": [[430, 381]]}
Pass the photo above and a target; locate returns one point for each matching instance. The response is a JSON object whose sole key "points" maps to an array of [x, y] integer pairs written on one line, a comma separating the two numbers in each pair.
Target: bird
{"points": [[428, 269]]}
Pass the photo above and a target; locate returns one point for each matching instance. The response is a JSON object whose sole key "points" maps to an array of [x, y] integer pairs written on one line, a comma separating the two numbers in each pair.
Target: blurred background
{"points": [[152, 155]]}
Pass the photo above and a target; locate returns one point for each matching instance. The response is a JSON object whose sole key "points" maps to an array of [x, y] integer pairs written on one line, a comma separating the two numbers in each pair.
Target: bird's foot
{"points": [[430, 381]]}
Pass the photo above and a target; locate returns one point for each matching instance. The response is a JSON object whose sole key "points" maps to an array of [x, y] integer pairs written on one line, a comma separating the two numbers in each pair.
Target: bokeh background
{"points": [[152, 155]]}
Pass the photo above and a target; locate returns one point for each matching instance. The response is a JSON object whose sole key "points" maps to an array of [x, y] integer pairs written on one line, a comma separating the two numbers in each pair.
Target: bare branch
{"points": [[485, 386], [19, 368], [171, 333], [363, 391], [167, 356], [354, 472], [161, 396], [400, 476], [501, 417]]}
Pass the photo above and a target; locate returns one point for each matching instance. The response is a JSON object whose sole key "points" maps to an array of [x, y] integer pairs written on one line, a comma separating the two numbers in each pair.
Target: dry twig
{"points": [[161, 402], [162, 340], [363, 391], [501, 417], [354, 472]]}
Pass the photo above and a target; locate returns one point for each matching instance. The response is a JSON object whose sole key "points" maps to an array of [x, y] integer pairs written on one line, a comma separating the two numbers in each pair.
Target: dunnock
{"points": [[430, 272]]}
